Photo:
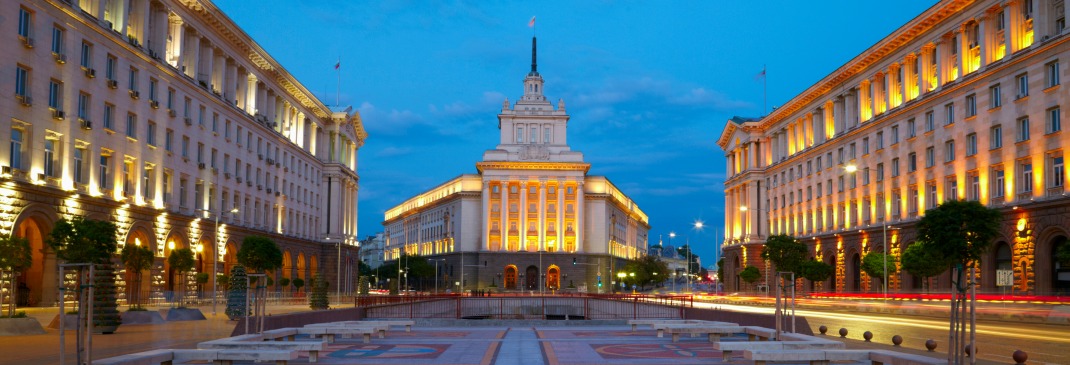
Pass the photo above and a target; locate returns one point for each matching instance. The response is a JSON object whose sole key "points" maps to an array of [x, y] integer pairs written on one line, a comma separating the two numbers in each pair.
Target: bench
{"points": [[381, 330], [824, 357], [727, 348], [713, 332], [281, 334], [218, 357], [651, 322], [762, 333], [661, 327], [408, 324], [330, 332], [312, 347]]}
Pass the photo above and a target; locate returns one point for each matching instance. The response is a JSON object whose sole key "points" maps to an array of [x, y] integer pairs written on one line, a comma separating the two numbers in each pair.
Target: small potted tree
{"points": [[298, 283], [236, 293], [750, 274], [137, 259], [88, 241], [318, 300], [182, 261]]}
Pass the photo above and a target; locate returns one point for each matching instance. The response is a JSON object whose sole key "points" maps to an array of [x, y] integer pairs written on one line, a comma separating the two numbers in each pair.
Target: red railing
{"points": [[525, 307], [945, 296]]}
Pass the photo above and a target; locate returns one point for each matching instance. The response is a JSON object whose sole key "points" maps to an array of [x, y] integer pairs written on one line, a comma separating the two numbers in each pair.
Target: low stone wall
{"points": [[302, 318], [746, 319]]}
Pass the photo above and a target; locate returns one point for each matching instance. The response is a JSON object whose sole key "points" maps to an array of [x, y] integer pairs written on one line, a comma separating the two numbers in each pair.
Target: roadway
{"points": [[996, 340]]}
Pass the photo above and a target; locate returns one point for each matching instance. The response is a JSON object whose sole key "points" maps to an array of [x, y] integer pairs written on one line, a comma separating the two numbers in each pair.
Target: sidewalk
{"points": [[129, 338], [995, 311]]}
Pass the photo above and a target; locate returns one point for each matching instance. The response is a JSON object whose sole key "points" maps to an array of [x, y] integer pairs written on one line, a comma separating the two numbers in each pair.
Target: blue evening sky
{"points": [[649, 85]]}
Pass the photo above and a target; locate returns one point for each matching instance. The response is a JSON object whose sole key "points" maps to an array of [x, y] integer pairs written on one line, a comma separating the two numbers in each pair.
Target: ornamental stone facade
{"points": [[531, 212], [963, 102], [164, 117]]}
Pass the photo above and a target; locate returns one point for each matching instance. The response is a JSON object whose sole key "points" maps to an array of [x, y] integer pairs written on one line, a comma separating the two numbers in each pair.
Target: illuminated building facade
{"points": [[164, 117], [532, 200], [962, 102]]}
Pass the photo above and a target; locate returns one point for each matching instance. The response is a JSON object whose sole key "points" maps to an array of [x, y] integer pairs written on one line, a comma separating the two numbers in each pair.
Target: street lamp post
{"points": [[436, 273], [215, 254]]}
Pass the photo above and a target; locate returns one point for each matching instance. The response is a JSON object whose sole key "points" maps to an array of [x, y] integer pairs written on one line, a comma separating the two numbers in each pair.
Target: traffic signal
{"points": [[573, 260], [599, 283]]}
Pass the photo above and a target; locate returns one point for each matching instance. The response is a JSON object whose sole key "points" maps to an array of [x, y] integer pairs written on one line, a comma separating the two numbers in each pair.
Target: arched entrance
{"points": [[1060, 271], [37, 284], [830, 283], [510, 277], [230, 257], [301, 271], [553, 278], [531, 278], [854, 273], [287, 267], [138, 285], [314, 266]]}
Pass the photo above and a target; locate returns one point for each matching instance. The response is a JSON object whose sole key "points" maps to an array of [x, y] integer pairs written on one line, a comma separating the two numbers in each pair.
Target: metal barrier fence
{"points": [[525, 307]]}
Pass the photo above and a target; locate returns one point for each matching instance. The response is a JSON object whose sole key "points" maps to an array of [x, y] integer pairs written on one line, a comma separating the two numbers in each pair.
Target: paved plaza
{"points": [[430, 342]]}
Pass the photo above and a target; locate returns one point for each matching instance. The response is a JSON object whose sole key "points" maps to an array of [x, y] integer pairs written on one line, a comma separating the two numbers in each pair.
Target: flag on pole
{"points": [[338, 64], [532, 22], [760, 75]]}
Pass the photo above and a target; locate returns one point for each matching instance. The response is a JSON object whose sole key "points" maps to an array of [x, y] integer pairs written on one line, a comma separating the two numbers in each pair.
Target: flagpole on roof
{"points": [[765, 89], [338, 89]]}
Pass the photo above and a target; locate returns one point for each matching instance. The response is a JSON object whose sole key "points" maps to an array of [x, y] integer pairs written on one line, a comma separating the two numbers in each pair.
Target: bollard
{"points": [[897, 340], [867, 336], [930, 345], [967, 351], [1020, 357], [843, 332], [823, 329]]}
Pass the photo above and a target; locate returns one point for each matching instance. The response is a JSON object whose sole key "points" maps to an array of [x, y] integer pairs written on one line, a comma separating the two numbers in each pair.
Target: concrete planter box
{"points": [[70, 323], [20, 327], [142, 317], [184, 314]]}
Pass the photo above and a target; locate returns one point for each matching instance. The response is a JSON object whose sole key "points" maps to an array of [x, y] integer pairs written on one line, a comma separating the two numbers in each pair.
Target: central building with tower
{"points": [[530, 219]]}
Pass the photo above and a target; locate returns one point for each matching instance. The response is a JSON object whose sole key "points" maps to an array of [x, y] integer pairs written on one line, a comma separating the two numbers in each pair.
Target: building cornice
{"points": [[541, 166], [873, 55], [228, 30]]}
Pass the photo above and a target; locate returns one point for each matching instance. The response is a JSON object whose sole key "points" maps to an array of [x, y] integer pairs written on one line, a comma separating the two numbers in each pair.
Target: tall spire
{"points": [[534, 65]]}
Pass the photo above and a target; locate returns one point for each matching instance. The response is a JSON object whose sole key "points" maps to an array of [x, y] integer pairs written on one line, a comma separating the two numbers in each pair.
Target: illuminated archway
{"points": [[175, 241], [1059, 271], [301, 267], [313, 267], [138, 291], [287, 266], [854, 273], [510, 277], [553, 278], [37, 284], [230, 257], [531, 278]]}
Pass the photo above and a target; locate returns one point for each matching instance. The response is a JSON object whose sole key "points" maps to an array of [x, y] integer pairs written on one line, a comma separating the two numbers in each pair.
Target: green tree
{"points": [[137, 259], [750, 274], [15, 256], [318, 298], [237, 292], [284, 283], [363, 285], [921, 259], [815, 271], [182, 261], [298, 283], [785, 252], [648, 270], [89, 241], [693, 266], [260, 254], [873, 264], [960, 230]]}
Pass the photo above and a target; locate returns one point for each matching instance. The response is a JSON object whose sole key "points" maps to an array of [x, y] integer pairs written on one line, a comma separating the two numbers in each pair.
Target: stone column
{"points": [[193, 54], [522, 211], [560, 211], [485, 207], [542, 216], [839, 111], [580, 229], [219, 64]]}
